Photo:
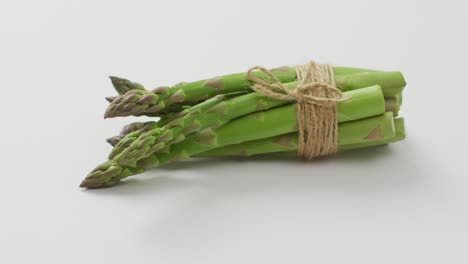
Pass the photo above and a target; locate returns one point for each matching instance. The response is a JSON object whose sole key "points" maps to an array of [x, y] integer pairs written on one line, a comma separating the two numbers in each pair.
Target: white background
{"points": [[406, 203]]}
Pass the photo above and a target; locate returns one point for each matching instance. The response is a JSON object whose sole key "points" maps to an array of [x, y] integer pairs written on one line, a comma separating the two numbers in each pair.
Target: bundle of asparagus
{"points": [[223, 116]]}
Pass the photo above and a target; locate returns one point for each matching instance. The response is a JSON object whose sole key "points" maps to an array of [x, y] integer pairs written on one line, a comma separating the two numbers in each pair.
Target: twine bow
{"points": [[316, 97]]}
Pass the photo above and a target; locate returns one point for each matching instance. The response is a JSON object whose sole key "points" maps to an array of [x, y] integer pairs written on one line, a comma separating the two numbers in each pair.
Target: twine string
{"points": [[316, 97]]}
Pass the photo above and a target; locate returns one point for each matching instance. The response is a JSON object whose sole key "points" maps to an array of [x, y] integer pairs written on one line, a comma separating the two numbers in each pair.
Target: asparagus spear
{"points": [[151, 102], [368, 99], [136, 126], [400, 134], [178, 128], [369, 129], [392, 83], [194, 110], [288, 143], [255, 126], [391, 105], [123, 85], [139, 102], [362, 131], [142, 102], [130, 132], [348, 70]]}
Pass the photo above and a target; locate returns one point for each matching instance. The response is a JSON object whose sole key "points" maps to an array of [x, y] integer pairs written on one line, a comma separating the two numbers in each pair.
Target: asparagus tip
{"points": [[110, 98], [104, 175], [90, 184], [122, 85], [107, 114], [114, 140], [84, 184], [117, 80], [111, 113]]}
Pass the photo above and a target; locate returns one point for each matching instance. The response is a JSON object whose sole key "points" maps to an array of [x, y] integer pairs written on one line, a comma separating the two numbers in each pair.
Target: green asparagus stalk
{"points": [[265, 125], [177, 129], [142, 102], [194, 110], [288, 143], [255, 126], [362, 131], [138, 102], [391, 105], [122, 86], [348, 70], [367, 99], [125, 131], [130, 132], [392, 83], [137, 128], [400, 134]]}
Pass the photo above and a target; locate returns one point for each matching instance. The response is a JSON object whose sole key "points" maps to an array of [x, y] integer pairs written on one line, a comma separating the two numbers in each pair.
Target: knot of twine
{"points": [[316, 97]]}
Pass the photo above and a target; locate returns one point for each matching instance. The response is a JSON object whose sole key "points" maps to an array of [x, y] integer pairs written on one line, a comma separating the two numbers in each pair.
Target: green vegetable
{"points": [[200, 108], [223, 116], [122, 86], [143, 102], [366, 102], [255, 126], [391, 105], [130, 132], [288, 142], [178, 128]]}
